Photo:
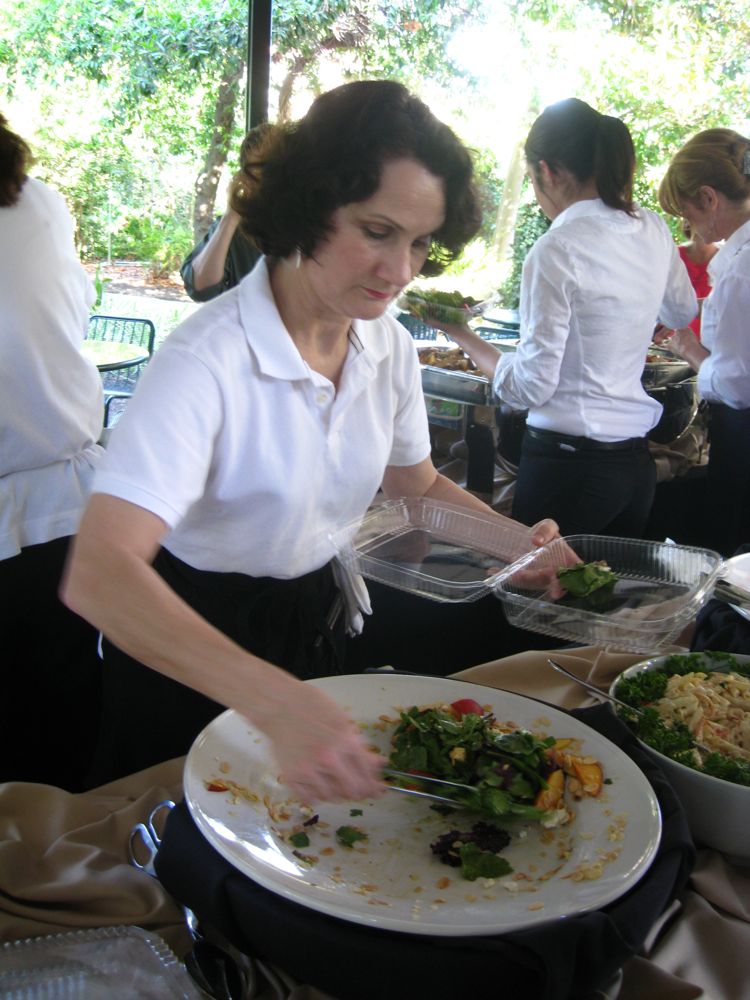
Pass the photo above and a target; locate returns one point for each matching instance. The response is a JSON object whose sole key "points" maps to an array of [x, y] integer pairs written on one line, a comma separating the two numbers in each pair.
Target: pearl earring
{"points": [[297, 259]]}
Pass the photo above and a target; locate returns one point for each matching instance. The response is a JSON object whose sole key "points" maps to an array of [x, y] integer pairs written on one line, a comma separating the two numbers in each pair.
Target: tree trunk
{"points": [[216, 156], [505, 227], [287, 87]]}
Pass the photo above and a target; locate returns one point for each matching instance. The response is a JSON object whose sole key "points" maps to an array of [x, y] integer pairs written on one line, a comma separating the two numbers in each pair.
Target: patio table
{"points": [[111, 356]]}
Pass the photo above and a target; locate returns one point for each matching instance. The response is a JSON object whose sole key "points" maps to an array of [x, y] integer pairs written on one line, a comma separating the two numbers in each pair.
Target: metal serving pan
{"points": [[459, 387]]}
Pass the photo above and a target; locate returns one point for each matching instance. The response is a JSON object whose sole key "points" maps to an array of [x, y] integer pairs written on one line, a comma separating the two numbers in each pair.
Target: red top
{"points": [[698, 274]]}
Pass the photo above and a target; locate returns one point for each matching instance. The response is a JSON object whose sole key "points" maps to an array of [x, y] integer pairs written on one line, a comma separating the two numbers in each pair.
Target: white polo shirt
{"points": [[248, 455], [50, 395], [724, 377], [593, 287]]}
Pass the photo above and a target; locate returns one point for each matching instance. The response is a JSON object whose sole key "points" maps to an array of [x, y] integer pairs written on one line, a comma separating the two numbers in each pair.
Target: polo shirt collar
{"points": [[269, 341], [265, 333]]}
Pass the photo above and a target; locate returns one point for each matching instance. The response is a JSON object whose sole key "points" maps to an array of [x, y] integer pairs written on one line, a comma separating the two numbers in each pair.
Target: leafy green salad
{"points": [[512, 773], [434, 304]]}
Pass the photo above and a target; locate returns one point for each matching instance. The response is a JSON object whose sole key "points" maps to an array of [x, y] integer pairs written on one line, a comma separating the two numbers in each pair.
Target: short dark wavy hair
{"points": [[15, 158], [335, 155]]}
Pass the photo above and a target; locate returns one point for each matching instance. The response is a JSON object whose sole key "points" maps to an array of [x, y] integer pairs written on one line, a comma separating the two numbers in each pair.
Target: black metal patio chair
{"points": [[120, 383]]}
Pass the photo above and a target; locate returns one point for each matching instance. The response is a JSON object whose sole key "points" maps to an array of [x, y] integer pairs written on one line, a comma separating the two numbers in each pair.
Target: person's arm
{"points": [[724, 376], [679, 304], [209, 264], [484, 354], [423, 480], [109, 581], [683, 344]]}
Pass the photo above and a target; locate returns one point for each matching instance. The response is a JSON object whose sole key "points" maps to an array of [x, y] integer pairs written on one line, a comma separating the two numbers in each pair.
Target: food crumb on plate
{"points": [[586, 872]]}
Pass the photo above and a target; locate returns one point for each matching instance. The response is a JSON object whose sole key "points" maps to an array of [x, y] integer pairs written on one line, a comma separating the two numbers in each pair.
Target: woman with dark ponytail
{"points": [[593, 289]]}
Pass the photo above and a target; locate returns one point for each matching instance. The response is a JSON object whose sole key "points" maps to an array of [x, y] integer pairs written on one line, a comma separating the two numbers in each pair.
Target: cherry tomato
{"points": [[467, 706]]}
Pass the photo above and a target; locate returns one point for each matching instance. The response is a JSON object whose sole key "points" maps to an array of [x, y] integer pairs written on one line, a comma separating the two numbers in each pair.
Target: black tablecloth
{"points": [[559, 961]]}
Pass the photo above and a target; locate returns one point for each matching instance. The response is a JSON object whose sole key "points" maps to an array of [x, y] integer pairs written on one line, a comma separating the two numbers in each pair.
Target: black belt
{"points": [[567, 442]]}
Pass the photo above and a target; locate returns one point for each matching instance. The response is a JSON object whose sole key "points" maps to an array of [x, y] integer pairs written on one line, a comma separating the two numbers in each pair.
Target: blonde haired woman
{"points": [[708, 184]]}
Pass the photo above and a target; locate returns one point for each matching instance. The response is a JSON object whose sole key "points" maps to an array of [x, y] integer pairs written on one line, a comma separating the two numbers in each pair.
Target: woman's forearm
{"points": [[110, 581]]}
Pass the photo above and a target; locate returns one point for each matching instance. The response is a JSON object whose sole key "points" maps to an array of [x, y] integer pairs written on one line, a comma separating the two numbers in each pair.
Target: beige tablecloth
{"points": [[64, 864]]}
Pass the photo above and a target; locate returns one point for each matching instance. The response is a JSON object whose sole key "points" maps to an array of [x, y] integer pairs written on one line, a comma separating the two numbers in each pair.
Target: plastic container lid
{"points": [[432, 549], [109, 963], [660, 589]]}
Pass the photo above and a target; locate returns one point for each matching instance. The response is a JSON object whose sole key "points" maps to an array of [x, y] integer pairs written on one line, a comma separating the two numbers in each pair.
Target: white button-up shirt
{"points": [[249, 456], [593, 287], [724, 377]]}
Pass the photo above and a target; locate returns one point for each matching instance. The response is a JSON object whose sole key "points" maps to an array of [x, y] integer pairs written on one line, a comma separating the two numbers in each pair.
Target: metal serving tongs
{"points": [[611, 698], [731, 593], [593, 688], [389, 772]]}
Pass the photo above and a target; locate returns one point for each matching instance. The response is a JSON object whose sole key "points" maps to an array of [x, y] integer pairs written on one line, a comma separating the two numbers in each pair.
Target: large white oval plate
{"points": [[392, 880]]}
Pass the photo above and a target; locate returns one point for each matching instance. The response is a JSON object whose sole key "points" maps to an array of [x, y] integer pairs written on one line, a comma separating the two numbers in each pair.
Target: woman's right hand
{"points": [[320, 752]]}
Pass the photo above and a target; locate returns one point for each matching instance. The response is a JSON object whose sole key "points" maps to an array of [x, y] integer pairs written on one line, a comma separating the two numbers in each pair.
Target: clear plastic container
{"points": [[432, 549], [108, 963], [659, 590], [438, 312]]}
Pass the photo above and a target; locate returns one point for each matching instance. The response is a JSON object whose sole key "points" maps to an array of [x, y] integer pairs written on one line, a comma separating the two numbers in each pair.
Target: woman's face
{"points": [[700, 220], [377, 246]]}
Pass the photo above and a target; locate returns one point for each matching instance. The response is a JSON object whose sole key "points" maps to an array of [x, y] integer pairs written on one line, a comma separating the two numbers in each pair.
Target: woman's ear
{"points": [[545, 173], [707, 197]]}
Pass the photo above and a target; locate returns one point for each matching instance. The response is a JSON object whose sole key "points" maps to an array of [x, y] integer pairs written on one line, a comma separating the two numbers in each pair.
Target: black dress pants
{"points": [[585, 489], [728, 480]]}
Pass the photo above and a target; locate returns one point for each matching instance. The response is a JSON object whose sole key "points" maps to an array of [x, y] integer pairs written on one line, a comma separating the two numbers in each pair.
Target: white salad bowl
{"points": [[718, 811]]}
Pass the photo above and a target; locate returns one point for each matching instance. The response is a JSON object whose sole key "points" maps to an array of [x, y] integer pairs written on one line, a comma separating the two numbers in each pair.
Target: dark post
{"points": [[258, 61]]}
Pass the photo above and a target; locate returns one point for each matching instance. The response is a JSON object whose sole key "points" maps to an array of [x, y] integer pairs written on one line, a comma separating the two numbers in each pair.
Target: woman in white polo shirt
{"points": [[592, 290], [269, 418], [708, 184]]}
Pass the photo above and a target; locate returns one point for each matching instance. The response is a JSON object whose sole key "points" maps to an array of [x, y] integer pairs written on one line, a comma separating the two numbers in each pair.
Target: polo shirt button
{"points": [[321, 398]]}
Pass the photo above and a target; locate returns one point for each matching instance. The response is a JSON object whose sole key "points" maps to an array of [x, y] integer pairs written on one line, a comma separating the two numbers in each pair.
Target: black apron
{"points": [[148, 718]]}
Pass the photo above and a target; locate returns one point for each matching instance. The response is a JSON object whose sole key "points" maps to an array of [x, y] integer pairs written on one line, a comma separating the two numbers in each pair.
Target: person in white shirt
{"points": [[224, 256], [51, 413], [269, 418], [708, 184], [592, 290]]}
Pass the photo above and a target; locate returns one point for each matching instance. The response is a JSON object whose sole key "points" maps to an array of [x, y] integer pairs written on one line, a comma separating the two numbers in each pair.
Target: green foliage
{"points": [[128, 90], [490, 190]]}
